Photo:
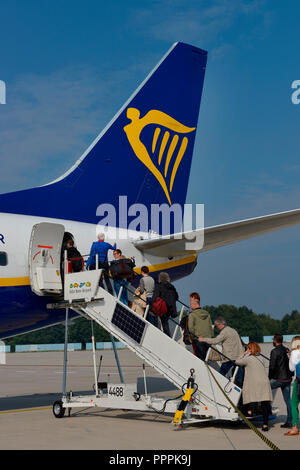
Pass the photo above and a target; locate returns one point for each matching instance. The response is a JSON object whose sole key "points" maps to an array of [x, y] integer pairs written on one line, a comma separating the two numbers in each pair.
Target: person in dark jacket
{"points": [[166, 291], [74, 257], [280, 375], [73, 265]]}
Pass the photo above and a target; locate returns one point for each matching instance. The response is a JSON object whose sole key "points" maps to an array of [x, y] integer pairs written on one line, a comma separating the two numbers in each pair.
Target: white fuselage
{"points": [[18, 301]]}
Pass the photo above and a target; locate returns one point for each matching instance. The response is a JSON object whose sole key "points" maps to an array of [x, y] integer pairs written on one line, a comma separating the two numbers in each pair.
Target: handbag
{"points": [[139, 298], [186, 338]]}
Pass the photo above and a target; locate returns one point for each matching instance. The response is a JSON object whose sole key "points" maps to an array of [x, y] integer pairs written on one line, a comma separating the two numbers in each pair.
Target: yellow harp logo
{"points": [[162, 167]]}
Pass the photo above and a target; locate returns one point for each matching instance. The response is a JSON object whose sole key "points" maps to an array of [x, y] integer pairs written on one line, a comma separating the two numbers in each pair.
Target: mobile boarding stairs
{"points": [[173, 361]]}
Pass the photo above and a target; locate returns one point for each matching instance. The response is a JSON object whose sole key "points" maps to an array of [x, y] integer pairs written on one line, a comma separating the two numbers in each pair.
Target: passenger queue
{"points": [[258, 387]]}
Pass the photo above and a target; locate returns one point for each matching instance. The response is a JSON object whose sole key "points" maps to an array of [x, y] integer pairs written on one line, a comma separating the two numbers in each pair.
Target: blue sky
{"points": [[70, 65]]}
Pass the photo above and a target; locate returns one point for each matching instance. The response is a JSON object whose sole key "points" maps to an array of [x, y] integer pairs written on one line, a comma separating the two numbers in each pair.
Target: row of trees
{"points": [[79, 332], [243, 319], [254, 325]]}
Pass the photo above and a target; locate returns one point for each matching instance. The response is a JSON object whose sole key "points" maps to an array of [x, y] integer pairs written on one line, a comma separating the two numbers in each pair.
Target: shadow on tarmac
{"points": [[154, 385]]}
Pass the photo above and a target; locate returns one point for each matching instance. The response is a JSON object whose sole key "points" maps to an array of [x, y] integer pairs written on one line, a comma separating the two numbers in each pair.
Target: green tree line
{"points": [[243, 319], [254, 325], [79, 332]]}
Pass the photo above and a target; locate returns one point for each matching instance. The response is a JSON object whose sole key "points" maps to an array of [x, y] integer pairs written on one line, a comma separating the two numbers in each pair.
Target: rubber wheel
{"points": [[58, 409]]}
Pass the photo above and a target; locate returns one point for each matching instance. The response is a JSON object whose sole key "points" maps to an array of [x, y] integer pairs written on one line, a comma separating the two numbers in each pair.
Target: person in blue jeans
{"points": [[227, 369], [121, 281], [118, 283], [280, 375]]}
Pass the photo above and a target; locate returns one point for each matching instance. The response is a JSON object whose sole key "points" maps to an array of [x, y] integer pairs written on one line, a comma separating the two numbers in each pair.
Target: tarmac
{"points": [[31, 382]]}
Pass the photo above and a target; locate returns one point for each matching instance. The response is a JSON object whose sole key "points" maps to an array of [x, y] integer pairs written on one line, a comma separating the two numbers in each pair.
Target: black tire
{"points": [[58, 409]]}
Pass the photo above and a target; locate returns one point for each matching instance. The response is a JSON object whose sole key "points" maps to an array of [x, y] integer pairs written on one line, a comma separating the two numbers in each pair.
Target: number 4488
{"points": [[116, 391]]}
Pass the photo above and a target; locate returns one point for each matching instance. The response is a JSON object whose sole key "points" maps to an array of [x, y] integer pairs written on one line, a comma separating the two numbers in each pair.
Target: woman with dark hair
{"points": [[256, 387], [74, 257]]}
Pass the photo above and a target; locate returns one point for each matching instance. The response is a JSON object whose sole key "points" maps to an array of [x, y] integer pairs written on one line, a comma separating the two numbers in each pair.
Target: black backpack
{"points": [[168, 293], [122, 269]]}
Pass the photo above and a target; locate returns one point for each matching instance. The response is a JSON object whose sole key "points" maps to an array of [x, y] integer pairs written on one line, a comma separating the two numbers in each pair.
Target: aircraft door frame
{"points": [[44, 258]]}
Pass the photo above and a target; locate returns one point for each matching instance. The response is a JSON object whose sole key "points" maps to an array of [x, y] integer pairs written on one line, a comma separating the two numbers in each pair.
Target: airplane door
{"points": [[45, 258]]}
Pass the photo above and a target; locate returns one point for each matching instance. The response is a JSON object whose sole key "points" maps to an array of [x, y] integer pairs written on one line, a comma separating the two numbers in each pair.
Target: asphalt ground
{"points": [[31, 382]]}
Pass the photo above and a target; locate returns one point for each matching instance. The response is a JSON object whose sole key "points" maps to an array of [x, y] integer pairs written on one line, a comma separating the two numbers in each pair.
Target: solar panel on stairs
{"points": [[129, 323]]}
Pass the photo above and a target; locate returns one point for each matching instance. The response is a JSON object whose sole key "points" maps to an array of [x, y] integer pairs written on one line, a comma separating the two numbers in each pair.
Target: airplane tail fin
{"points": [[144, 153]]}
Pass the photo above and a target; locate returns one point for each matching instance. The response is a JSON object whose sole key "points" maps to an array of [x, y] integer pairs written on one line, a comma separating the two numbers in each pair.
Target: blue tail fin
{"points": [[144, 153]]}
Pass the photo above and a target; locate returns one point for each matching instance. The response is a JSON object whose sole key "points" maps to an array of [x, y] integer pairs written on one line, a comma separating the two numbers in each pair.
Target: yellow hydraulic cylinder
{"points": [[187, 396]]}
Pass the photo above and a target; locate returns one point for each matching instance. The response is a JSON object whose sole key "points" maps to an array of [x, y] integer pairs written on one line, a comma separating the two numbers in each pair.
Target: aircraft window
{"points": [[3, 258]]}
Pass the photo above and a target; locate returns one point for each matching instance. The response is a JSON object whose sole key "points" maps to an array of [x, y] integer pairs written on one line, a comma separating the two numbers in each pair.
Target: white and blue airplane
{"points": [[145, 154]]}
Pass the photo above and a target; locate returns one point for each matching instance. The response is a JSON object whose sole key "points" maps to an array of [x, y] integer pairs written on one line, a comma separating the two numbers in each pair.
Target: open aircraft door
{"points": [[45, 258]]}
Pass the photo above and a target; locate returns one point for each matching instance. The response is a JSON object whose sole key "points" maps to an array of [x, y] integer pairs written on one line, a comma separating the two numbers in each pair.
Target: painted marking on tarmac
{"points": [[28, 409], [61, 372]]}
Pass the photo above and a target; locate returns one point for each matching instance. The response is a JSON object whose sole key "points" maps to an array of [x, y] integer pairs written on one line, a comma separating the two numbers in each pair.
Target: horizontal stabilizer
{"points": [[220, 235]]}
